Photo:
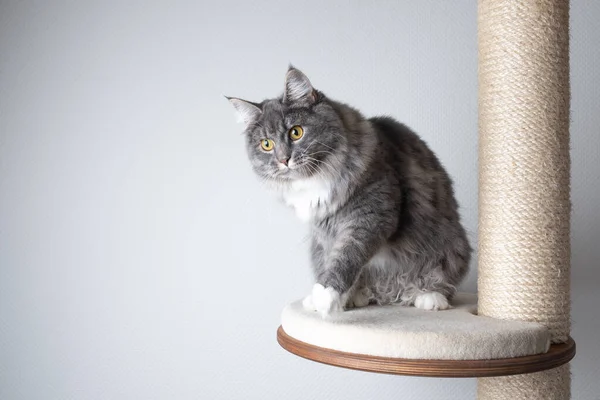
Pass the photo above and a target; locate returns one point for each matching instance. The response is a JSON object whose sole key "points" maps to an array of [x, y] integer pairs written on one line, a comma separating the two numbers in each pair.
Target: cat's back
{"points": [[402, 144]]}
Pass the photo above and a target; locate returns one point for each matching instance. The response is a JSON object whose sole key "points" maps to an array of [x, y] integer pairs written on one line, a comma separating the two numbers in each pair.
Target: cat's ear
{"points": [[298, 88], [247, 112]]}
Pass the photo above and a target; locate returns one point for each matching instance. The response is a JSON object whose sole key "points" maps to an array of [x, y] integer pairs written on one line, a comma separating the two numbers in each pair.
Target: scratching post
{"points": [[524, 205]]}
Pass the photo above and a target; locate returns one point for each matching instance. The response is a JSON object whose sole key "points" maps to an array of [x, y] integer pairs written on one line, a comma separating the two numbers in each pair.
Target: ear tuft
{"points": [[298, 88], [247, 112]]}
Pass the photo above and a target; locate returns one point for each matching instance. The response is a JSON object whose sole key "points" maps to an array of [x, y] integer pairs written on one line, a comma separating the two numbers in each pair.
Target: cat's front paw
{"points": [[308, 304], [431, 301], [324, 300]]}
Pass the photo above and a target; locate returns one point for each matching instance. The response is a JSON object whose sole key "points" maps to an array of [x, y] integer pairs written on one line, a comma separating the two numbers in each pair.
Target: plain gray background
{"points": [[140, 258]]}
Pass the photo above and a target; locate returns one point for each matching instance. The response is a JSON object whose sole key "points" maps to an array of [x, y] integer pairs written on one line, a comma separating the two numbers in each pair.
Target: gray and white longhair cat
{"points": [[385, 226]]}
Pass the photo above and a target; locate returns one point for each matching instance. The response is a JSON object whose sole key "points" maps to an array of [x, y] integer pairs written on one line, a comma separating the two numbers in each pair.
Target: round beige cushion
{"points": [[408, 332]]}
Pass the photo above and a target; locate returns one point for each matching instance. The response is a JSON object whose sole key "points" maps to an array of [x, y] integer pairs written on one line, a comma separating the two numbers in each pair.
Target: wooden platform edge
{"points": [[558, 355]]}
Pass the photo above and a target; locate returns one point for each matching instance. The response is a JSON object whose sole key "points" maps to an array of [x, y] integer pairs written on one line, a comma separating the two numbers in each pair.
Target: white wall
{"points": [[139, 257]]}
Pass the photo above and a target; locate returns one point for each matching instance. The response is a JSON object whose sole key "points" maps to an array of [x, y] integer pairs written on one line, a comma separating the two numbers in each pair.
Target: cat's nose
{"points": [[284, 161]]}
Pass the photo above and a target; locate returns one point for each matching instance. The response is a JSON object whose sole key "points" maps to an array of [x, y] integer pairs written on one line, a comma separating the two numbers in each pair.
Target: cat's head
{"points": [[295, 136]]}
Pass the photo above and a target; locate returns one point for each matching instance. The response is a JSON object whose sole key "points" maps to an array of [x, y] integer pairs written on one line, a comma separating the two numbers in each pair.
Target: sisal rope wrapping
{"points": [[553, 384], [524, 205], [524, 196]]}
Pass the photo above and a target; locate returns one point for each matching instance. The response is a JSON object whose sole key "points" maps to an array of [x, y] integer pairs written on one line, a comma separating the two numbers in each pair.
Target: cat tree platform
{"points": [[409, 341]]}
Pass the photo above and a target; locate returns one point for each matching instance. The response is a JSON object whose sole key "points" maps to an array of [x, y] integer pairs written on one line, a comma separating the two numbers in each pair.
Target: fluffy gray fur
{"points": [[384, 221]]}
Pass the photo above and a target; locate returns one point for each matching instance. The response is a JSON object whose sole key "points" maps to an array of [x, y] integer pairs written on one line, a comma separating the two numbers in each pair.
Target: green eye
{"points": [[296, 132], [267, 144]]}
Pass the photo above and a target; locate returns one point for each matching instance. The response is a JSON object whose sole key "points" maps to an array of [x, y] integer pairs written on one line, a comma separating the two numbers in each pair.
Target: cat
{"points": [[384, 222]]}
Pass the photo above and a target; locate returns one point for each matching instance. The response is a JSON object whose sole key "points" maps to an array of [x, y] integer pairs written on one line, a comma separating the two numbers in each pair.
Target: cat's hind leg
{"points": [[434, 289], [432, 301], [360, 297]]}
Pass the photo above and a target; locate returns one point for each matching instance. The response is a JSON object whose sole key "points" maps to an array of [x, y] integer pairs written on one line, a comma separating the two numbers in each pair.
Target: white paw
{"points": [[431, 301], [324, 300], [307, 303], [360, 298]]}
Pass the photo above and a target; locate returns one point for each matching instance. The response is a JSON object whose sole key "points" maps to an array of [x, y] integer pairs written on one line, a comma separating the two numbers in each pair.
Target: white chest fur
{"points": [[307, 196]]}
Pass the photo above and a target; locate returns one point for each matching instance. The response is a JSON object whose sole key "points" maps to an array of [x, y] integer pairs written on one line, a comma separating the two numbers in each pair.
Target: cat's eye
{"points": [[296, 132], [267, 144]]}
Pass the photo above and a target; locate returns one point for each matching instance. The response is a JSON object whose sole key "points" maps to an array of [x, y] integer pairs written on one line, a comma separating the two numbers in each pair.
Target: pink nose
{"points": [[284, 161]]}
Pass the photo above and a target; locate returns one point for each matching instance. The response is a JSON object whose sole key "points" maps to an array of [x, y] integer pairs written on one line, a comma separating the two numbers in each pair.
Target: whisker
{"points": [[323, 144], [327, 152], [335, 172], [312, 167], [307, 147]]}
